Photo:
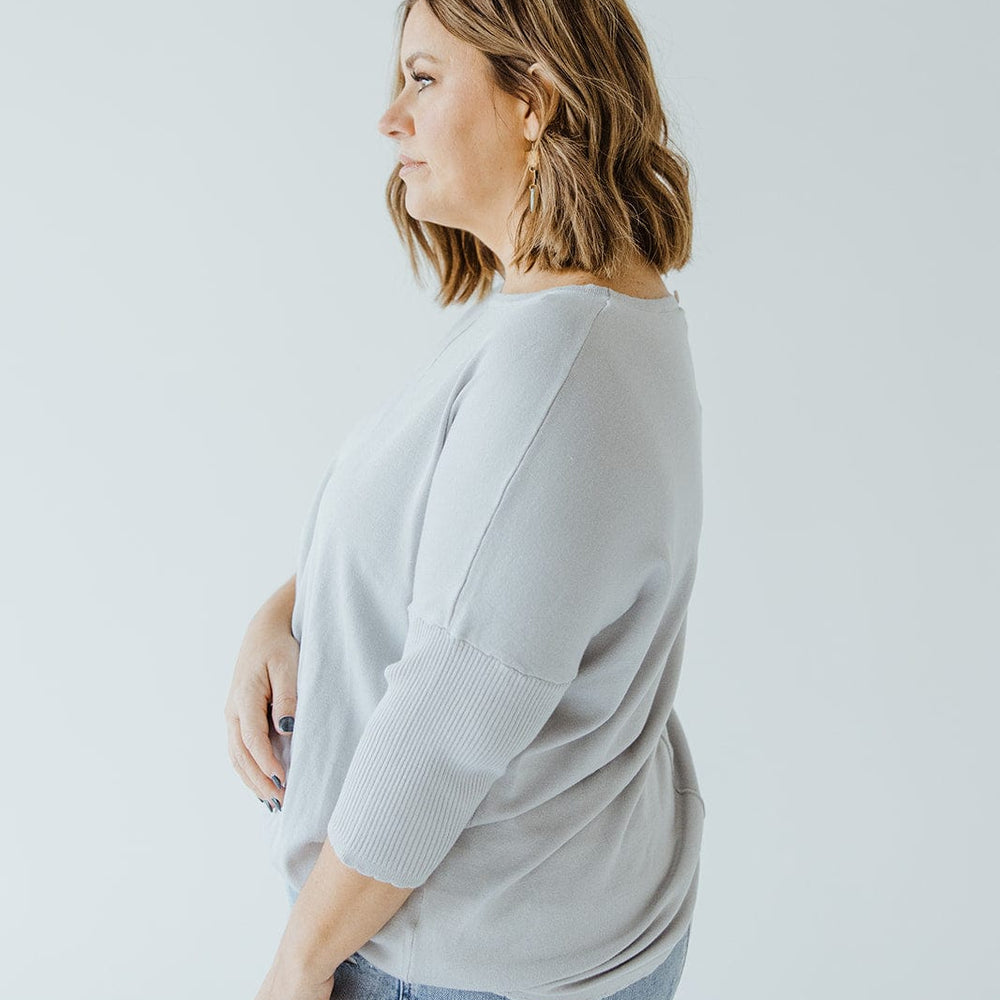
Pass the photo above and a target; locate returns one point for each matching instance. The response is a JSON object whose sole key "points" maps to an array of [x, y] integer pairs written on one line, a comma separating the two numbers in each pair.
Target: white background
{"points": [[201, 291]]}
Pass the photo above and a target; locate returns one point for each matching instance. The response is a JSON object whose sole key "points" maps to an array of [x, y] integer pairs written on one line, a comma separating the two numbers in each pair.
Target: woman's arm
{"points": [[336, 912]]}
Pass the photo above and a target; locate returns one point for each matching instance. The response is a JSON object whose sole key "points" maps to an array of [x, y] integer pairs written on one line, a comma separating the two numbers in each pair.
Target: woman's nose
{"points": [[394, 122]]}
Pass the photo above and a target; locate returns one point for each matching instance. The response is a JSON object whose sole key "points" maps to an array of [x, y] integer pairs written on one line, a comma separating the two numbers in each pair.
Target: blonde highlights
{"points": [[609, 182]]}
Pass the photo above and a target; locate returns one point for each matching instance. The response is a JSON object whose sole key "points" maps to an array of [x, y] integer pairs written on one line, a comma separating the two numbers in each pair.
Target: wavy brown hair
{"points": [[609, 181]]}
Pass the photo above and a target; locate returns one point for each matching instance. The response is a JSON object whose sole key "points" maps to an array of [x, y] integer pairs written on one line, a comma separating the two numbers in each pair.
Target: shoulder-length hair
{"points": [[609, 181]]}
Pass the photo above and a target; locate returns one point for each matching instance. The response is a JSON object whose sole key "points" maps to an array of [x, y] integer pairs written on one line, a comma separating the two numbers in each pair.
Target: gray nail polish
{"points": [[277, 804], [270, 808], [277, 781], [286, 723]]}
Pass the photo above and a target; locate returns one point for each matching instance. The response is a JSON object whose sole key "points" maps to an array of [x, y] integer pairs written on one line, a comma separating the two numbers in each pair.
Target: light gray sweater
{"points": [[491, 601]]}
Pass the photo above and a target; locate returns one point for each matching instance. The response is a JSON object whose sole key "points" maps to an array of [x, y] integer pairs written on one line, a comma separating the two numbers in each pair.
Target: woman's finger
{"points": [[283, 698], [246, 765], [254, 722]]}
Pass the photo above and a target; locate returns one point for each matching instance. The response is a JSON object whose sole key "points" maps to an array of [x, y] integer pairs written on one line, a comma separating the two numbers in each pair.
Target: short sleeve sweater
{"points": [[491, 601]]}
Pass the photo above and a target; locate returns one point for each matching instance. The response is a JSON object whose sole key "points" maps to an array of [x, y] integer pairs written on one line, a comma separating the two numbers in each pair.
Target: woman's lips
{"points": [[410, 166]]}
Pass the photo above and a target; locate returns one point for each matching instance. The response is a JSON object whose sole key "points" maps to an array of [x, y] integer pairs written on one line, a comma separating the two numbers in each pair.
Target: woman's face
{"points": [[471, 138]]}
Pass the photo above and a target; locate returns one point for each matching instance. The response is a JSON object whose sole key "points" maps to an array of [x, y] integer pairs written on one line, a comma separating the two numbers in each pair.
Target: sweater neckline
{"points": [[664, 304]]}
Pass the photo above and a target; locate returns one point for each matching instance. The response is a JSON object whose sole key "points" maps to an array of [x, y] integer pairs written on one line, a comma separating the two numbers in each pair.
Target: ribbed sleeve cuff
{"points": [[449, 724]]}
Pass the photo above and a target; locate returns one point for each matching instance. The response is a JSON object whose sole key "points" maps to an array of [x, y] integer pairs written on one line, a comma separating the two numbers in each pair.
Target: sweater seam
{"points": [[520, 462], [491, 656], [394, 400], [413, 934], [476, 312]]}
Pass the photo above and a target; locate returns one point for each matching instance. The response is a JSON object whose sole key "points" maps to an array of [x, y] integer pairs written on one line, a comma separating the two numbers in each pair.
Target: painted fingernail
{"points": [[286, 723], [277, 781], [277, 804], [270, 808]]}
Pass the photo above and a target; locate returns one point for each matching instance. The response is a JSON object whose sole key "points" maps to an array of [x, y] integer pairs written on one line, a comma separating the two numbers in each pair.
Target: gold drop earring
{"points": [[533, 167]]}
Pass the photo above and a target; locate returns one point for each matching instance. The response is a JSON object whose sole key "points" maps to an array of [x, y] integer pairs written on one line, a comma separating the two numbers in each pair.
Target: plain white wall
{"points": [[202, 290]]}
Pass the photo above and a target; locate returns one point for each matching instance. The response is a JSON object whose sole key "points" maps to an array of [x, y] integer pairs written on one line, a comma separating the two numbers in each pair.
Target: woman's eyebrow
{"points": [[414, 56]]}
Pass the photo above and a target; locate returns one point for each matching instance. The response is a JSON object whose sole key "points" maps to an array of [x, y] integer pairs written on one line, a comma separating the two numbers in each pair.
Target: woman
{"points": [[488, 792]]}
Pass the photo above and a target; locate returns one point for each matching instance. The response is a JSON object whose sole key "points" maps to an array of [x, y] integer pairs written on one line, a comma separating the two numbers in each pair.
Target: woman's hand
{"points": [[285, 983], [263, 692]]}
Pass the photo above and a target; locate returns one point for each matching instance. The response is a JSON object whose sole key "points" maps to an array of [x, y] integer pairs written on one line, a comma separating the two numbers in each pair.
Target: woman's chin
{"points": [[414, 206], [417, 209], [422, 208]]}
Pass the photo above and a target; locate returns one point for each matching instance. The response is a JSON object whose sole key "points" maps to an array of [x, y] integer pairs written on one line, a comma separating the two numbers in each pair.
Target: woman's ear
{"points": [[533, 116]]}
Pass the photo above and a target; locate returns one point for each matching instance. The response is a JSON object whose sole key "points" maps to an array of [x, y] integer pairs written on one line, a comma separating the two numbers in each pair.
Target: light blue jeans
{"points": [[357, 979]]}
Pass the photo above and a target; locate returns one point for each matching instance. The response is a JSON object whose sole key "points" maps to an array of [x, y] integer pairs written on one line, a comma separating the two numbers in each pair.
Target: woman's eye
{"points": [[420, 77]]}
